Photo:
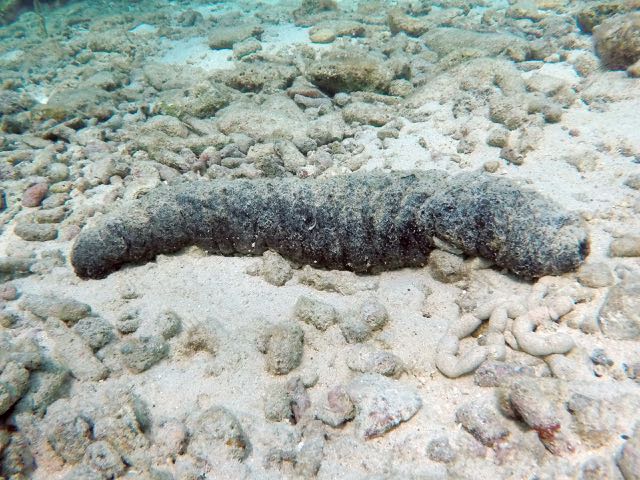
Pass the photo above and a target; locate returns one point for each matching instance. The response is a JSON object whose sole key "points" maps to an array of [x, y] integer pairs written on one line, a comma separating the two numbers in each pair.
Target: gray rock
{"points": [[440, 450], [66, 309], [83, 472], [282, 345], [629, 459], [315, 312], [277, 404], [367, 359], [619, 317], [36, 232], [123, 427], [46, 385], [358, 326], [595, 275], [103, 458], [337, 409], [483, 423], [128, 322], [14, 380], [381, 404], [95, 331], [275, 269], [627, 246], [599, 468], [218, 434], [167, 324], [363, 222], [140, 354], [594, 420], [617, 41], [446, 267], [69, 433]]}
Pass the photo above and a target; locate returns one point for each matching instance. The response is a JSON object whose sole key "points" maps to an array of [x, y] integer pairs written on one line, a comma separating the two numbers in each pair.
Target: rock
{"points": [[140, 354], [595, 275], [357, 326], [591, 16], [46, 385], [103, 458], [367, 114], [202, 100], [368, 359], [617, 41], [128, 322], [398, 22], [72, 352], [199, 338], [66, 309], [619, 317], [594, 420], [218, 434], [599, 468], [315, 312], [68, 432], [633, 180], [483, 423], [170, 439], [440, 450], [322, 35], [629, 459], [8, 292], [446, 267], [17, 459], [34, 195], [337, 409], [277, 404], [95, 331], [283, 346], [14, 381], [627, 246], [13, 267], [349, 71], [227, 37], [495, 374], [381, 404], [36, 232], [167, 324], [246, 47]]}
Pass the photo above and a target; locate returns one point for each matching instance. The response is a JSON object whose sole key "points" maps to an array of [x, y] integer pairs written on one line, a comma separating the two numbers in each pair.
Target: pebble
{"points": [[36, 232], [494, 374], [167, 324], [595, 275], [315, 312], [322, 35], [627, 246], [358, 326], [8, 292], [381, 404], [66, 309], [483, 423], [440, 450], [95, 331], [103, 458], [14, 381], [629, 458], [218, 434], [128, 322], [619, 317], [368, 359], [34, 195], [140, 354], [282, 345], [446, 267], [277, 404], [275, 269], [337, 409]]}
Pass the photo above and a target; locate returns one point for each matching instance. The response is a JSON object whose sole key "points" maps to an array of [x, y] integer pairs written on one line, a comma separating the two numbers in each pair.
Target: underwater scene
{"points": [[298, 239]]}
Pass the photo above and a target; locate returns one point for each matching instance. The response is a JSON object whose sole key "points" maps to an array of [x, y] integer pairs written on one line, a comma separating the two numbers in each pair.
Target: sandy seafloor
{"points": [[160, 108]]}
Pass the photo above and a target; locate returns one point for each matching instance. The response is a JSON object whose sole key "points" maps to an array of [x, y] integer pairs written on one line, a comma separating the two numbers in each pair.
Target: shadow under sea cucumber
{"points": [[364, 222]]}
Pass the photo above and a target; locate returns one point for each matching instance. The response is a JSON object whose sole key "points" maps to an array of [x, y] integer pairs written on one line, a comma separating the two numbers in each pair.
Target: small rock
{"points": [[595, 275], [8, 292], [367, 359], [338, 408], [14, 381], [167, 324], [629, 458], [200, 338], [315, 312], [322, 35], [66, 309], [381, 404], [599, 357], [277, 404], [594, 420], [170, 439], [483, 423], [36, 232], [103, 458], [358, 326], [617, 41], [142, 353], [275, 269], [283, 346], [96, 331], [599, 468], [34, 195], [69, 433], [627, 246], [128, 322], [440, 450], [619, 317], [217, 433], [446, 267], [494, 374]]}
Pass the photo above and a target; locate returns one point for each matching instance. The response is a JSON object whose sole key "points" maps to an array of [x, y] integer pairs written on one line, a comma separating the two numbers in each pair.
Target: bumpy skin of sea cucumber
{"points": [[364, 222]]}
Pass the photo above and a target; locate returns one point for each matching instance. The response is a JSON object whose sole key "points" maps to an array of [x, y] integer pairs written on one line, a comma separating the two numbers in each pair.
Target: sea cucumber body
{"points": [[365, 222]]}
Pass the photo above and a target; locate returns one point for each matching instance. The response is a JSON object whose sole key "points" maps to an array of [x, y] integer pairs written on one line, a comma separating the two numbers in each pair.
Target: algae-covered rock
{"points": [[350, 71], [617, 41]]}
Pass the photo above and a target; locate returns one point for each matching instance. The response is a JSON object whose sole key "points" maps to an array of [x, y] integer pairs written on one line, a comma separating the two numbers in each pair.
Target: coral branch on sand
{"points": [[365, 222]]}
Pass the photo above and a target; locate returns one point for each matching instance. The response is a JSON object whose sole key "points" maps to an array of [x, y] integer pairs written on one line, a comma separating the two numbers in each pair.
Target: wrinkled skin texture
{"points": [[365, 222]]}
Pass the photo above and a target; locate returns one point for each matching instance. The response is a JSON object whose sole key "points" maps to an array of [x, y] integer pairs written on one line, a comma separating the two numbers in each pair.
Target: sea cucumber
{"points": [[364, 222]]}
